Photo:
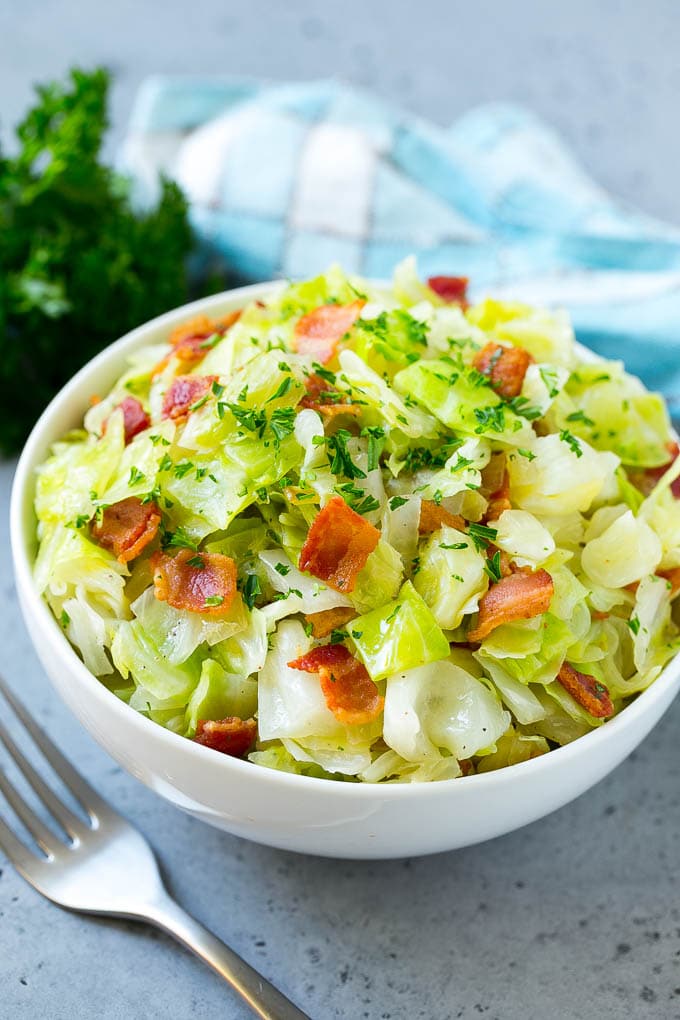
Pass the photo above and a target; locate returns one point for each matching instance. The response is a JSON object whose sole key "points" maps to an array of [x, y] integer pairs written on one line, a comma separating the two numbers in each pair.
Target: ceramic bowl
{"points": [[293, 812]]}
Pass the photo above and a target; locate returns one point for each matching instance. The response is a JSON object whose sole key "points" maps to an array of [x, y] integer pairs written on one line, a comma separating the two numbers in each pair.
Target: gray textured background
{"points": [[576, 916]]}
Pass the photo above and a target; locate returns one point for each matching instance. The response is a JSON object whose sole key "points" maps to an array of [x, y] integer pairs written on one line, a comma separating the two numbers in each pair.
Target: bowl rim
{"points": [[37, 446]]}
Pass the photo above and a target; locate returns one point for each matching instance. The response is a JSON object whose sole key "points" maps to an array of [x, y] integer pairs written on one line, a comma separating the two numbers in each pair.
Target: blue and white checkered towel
{"points": [[284, 180]]}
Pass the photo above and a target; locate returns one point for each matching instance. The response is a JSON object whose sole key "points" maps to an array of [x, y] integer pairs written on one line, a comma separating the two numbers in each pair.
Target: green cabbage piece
{"points": [[463, 401], [220, 694], [451, 577], [398, 636], [439, 707], [612, 410]]}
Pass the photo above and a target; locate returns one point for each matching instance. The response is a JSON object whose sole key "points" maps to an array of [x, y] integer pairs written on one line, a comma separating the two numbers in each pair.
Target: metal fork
{"points": [[105, 866]]}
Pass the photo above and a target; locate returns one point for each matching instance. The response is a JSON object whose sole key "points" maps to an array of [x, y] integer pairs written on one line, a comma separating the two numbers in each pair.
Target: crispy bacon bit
{"points": [[450, 288], [647, 479], [505, 367], [198, 582], [338, 544], [329, 619], [599, 614], [433, 517], [518, 597], [588, 691], [322, 397], [319, 332], [188, 341], [184, 392], [232, 736], [135, 418], [499, 501], [350, 694], [126, 528], [466, 766], [201, 327], [94, 399]]}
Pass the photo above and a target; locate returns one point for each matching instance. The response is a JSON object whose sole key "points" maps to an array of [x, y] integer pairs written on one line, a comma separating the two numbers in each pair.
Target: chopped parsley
{"points": [[572, 442], [492, 566], [550, 380], [281, 390], [136, 476], [214, 600], [580, 416], [250, 589], [397, 501], [481, 535]]}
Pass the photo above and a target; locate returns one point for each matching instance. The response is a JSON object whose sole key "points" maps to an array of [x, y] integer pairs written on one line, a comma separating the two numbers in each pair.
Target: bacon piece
{"points": [[518, 597], [499, 501], [183, 393], [505, 367], [338, 544], [196, 581], [588, 691], [126, 528], [325, 399], [135, 418], [202, 326], [319, 332], [599, 614], [232, 736], [350, 694], [188, 340], [329, 619], [450, 288], [433, 517]]}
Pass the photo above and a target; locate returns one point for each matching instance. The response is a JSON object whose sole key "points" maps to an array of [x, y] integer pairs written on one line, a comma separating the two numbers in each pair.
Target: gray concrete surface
{"points": [[574, 917]]}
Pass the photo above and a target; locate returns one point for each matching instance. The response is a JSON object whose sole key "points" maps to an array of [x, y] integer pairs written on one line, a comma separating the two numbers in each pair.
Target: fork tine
{"points": [[20, 856], [37, 828], [71, 825], [88, 798]]}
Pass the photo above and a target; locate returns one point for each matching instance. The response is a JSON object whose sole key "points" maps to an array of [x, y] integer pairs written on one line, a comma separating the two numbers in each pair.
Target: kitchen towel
{"points": [[285, 179]]}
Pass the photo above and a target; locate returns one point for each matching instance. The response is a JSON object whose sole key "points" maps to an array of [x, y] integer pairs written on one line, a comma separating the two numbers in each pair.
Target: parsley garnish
{"points": [[634, 624], [214, 600], [340, 460], [580, 416], [522, 407], [397, 501], [64, 619], [250, 589], [527, 453], [196, 561], [178, 540], [493, 567], [282, 568], [375, 434], [481, 535], [549, 377], [572, 442], [490, 418], [136, 476], [183, 468], [281, 390]]}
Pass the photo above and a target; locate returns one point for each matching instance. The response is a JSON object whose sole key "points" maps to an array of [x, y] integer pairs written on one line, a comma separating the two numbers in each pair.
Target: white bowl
{"points": [[294, 812]]}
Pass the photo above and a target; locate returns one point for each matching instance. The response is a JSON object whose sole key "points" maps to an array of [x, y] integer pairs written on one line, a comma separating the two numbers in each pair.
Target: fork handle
{"points": [[264, 999]]}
